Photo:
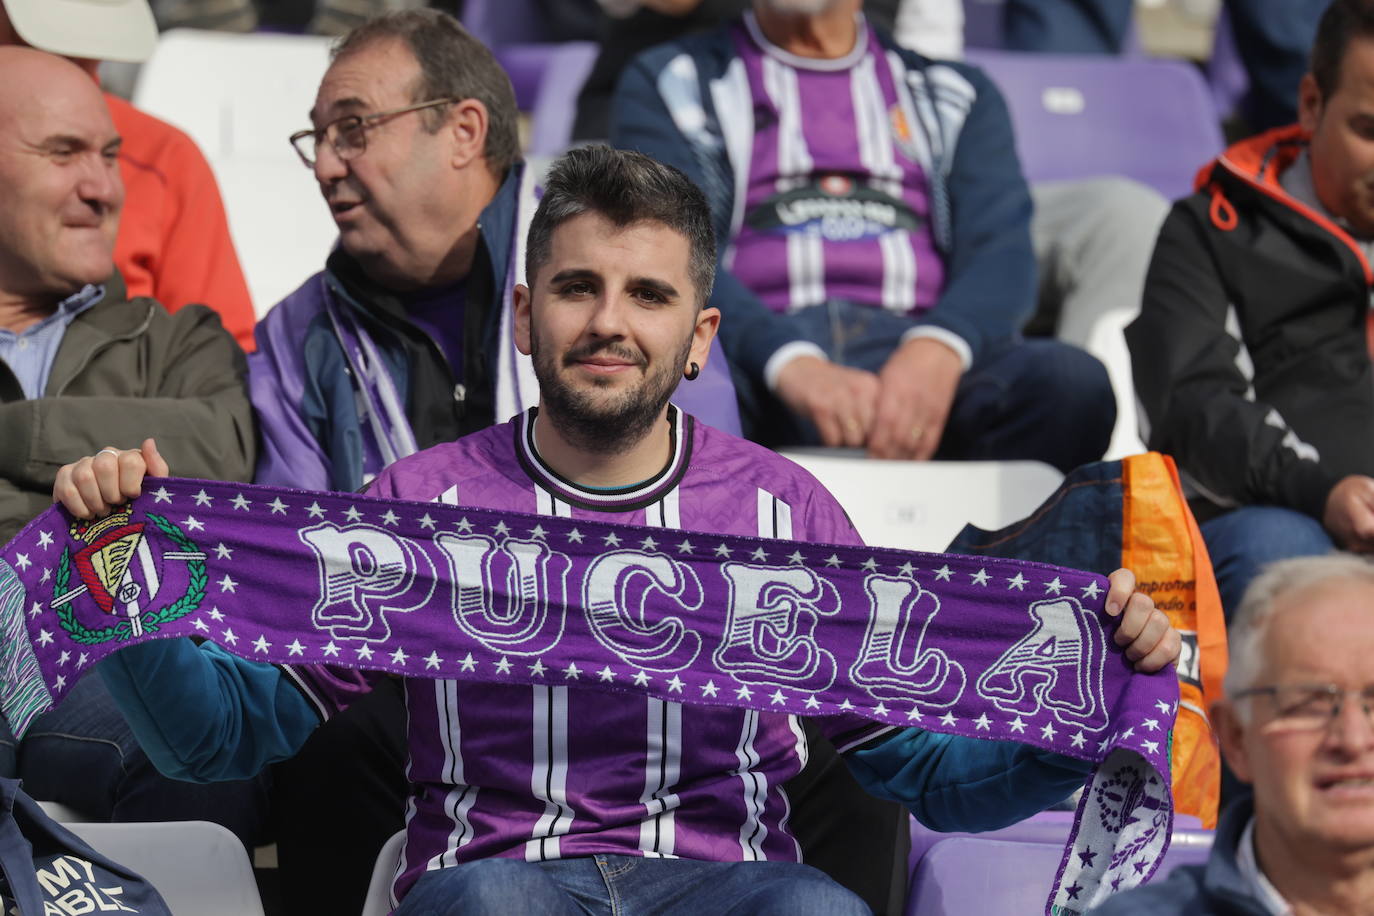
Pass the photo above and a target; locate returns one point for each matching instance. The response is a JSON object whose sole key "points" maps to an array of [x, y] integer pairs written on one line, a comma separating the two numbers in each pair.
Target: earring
{"points": [[692, 373]]}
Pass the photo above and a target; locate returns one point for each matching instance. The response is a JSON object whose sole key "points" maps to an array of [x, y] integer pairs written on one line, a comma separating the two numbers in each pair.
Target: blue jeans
{"points": [[1245, 540], [83, 755], [613, 885], [1034, 399]]}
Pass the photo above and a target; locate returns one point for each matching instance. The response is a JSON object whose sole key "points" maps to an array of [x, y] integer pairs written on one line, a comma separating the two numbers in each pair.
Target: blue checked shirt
{"points": [[31, 352]]}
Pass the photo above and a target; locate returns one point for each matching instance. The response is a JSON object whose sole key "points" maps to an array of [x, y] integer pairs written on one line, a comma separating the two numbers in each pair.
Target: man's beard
{"points": [[596, 425]]}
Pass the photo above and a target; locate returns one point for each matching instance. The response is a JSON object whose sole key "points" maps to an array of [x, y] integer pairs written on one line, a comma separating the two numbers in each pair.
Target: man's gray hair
{"points": [[625, 187], [453, 64], [1245, 632]]}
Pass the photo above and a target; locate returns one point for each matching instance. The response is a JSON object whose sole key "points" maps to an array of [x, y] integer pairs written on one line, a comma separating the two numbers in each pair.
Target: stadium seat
{"points": [[61, 813], [1080, 116], [378, 902], [240, 97], [199, 868], [1046, 827], [547, 80], [922, 505], [967, 875]]}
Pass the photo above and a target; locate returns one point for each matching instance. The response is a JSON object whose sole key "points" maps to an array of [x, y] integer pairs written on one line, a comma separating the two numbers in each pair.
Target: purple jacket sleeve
{"points": [[288, 455]]}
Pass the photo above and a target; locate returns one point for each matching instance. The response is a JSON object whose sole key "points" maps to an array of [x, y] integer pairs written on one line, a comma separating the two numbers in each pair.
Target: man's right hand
{"points": [[91, 487], [839, 400], [1349, 515]]}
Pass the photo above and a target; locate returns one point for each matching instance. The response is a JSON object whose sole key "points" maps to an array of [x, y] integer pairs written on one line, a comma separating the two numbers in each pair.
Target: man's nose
{"points": [[609, 317], [1351, 731], [329, 165], [100, 184]]}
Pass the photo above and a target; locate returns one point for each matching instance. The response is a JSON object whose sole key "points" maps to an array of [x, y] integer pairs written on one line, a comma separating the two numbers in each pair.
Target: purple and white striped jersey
{"points": [[547, 772], [836, 203]]}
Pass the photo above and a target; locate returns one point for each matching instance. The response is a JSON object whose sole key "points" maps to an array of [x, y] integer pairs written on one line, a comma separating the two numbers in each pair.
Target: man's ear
{"points": [[523, 305], [467, 125], [1229, 728], [708, 322], [1310, 103]]}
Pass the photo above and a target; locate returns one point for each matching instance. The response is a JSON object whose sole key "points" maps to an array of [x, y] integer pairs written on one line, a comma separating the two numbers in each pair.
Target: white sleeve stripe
{"points": [[864, 738], [321, 709]]}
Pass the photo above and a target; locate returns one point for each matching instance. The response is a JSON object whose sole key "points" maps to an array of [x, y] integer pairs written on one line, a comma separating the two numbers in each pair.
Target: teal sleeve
{"points": [[954, 784], [204, 715]]}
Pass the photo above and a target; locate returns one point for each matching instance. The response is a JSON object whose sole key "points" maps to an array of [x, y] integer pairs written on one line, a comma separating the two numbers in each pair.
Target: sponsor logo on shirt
{"points": [[835, 207]]}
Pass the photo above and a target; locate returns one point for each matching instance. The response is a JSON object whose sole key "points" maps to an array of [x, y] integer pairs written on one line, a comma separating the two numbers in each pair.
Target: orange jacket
{"points": [[174, 240]]}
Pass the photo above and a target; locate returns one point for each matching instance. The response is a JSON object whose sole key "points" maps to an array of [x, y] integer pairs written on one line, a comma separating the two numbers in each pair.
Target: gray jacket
{"points": [[127, 370]]}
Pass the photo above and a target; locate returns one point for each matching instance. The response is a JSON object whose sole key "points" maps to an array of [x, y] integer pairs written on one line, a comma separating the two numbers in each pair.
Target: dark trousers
{"points": [[338, 800], [82, 754], [1031, 399]]}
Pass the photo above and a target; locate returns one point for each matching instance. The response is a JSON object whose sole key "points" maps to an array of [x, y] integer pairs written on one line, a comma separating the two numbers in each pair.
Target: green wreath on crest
{"points": [[151, 620]]}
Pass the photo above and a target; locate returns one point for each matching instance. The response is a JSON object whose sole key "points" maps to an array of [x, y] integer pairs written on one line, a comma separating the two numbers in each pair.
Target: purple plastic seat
{"points": [[1082, 116], [973, 875], [547, 79], [1045, 827]]}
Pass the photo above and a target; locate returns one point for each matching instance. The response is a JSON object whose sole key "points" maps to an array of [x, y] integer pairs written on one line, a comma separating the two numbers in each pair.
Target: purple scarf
{"points": [[984, 648]]}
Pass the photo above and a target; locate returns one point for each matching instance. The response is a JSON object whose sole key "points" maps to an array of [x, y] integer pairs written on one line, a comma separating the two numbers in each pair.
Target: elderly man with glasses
{"points": [[1295, 723], [403, 341]]}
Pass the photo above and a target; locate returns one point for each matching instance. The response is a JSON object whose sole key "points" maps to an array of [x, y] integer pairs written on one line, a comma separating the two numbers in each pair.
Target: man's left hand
{"points": [[917, 385], [1144, 630]]}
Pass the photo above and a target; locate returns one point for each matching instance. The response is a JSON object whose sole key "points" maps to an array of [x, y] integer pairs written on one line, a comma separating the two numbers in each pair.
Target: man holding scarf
{"points": [[537, 798]]}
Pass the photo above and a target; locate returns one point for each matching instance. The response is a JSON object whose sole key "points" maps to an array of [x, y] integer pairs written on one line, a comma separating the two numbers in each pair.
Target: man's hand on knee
{"points": [[918, 384], [1349, 514], [94, 485], [839, 400]]}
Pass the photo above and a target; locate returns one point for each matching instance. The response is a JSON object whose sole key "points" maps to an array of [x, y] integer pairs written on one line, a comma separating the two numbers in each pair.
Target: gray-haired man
{"points": [[1295, 723]]}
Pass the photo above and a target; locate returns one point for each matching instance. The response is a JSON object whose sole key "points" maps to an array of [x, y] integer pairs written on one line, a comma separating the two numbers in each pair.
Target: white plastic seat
{"points": [[922, 505], [378, 902], [240, 97], [199, 868]]}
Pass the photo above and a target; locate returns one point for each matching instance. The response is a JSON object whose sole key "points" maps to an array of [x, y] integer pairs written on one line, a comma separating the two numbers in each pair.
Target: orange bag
{"points": [[1162, 545]]}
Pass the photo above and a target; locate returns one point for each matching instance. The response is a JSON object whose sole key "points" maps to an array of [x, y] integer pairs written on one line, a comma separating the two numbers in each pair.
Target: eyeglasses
{"points": [[348, 135], [1310, 707]]}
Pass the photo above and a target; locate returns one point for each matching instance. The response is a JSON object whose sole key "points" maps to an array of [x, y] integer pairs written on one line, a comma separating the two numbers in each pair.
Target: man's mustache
{"points": [[609, 347]]}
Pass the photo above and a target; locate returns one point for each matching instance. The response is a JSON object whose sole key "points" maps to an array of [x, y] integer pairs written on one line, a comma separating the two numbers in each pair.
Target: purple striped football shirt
{"points": [[837, 205], [535, 772]]}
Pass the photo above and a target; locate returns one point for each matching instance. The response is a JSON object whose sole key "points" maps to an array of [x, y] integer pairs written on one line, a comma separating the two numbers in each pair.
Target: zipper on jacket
{"points": [[94, 352]]}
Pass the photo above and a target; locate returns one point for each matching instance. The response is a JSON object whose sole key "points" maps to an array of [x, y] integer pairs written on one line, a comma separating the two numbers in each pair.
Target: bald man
{"points": [[83, 366], [173, 242]]}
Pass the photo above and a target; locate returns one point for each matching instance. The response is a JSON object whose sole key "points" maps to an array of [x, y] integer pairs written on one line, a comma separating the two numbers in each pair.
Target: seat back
{"points": [[378, 901], [1046, 827], [240, 97], [1080, 116], [922, 505], [199, 868], [966, 874], [548, 79]]}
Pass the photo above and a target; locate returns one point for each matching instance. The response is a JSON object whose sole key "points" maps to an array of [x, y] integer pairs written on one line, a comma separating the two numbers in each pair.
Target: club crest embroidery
{"points": [[122, 572]]}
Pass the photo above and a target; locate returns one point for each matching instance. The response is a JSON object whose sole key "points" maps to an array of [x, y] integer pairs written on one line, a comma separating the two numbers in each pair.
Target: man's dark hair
{"points": [[1342, 21], [624, 187], [453, 64]]}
